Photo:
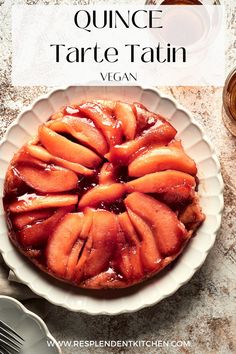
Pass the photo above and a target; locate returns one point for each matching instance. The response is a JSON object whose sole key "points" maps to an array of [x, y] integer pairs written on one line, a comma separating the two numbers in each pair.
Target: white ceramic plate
{"points": [[210, 190], [29, 326]]}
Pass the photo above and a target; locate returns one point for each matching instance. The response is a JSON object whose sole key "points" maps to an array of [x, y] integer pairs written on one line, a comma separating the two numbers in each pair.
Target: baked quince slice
{"points": [[168, 232], [51, 179], [129, 258], [36, 235], [144, 118], [61, 147], [107, 193], [103, 233], [177, 196], [82, 131], [26, 158], [28, 202], [124, 113], [104, 121], [150, 254], [163, 182], [78, 272], [105, 280], [42, 154], [61, 242], [28, 218], [162, 158], [121, 261], [73, 258]]}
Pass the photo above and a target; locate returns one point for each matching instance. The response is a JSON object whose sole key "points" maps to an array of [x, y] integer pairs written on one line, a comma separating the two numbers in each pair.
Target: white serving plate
{"points": [[210, 190], [29, 326]]}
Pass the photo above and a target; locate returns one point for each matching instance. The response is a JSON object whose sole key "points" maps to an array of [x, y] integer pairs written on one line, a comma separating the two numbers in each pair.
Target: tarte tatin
{"points": [[104, 196]]}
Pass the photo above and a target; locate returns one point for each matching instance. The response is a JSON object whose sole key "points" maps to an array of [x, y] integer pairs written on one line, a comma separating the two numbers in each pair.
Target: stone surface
{"points": [[202, 311]]}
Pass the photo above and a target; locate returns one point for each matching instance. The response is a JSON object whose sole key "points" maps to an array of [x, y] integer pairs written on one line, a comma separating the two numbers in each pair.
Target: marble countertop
{"points": [[202, 311]]}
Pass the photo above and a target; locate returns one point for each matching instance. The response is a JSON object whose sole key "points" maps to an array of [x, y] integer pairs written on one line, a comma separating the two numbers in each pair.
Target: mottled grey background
{"points": [[204, 310]]}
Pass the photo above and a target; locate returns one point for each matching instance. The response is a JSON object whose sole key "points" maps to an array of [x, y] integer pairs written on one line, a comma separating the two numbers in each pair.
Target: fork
{"points": [[10, 341]]}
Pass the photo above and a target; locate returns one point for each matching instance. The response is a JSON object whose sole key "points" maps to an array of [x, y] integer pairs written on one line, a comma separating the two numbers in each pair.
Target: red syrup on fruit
{"points": [[116, 207], [85, 183]]}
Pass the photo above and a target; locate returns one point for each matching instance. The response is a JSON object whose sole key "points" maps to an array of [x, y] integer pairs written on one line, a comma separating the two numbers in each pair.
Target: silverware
{"points": [[10, 341]]}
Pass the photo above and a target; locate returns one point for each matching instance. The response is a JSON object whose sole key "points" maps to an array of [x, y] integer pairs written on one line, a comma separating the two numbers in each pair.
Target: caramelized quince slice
{"points": [[104, 121], [161, 132], [124, 113], [103, 234], [73, 258], [61, 243], [42, 154], [78, 271], [120, 260], [177, 196], [169, 233], [37, 234], [161, 182], [150, 254], [82, 131], [12, 181], [28, 202], [66, 149], [131, 264], [26, 158], [144, 118], [48, 180], [128, 229], [162, 158], [107, 193], [105, 280], [28, 218]]}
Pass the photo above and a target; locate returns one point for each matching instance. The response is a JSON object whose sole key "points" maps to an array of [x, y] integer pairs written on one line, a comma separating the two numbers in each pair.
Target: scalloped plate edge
{"points": [[35, 317]]}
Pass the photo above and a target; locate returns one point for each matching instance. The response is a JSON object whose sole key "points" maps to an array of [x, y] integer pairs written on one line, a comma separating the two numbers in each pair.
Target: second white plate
{"points": [[29, 326]]}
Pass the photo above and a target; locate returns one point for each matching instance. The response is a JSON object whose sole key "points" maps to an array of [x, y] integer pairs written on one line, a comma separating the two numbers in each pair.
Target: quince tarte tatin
{"points": [[103, 196]]}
